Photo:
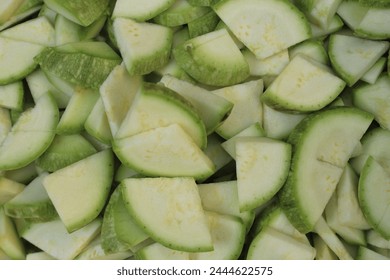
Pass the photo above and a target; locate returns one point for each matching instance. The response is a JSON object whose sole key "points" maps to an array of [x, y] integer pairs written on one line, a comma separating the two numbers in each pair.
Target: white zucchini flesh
{"points": [[139, 9], [170, 211], [262, 166], [280, 23], [91, 178]]}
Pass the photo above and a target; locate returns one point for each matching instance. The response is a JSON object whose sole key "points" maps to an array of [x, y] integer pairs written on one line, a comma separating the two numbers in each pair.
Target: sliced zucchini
{"points": [[86, 64], [63, 151], [37, 31], [117, 93], [352, 57], [375, 99], [156, 251], [97, 125], [81, 12], [304, 85], [271, 65], [94, 251], [54, 239], [323, 252], [212, 59], [144, 46], [181, 12], [271, 244], [247, 108], [280, 22], [365, 253], [314, 49], [203, 24], [19, 61], [168, 108], [11, 96], [37, 125], [374, 197], [8, 8], [32, 203], [9, 189], [165, 151], [140, 10], [10, 242], [170, 211], [228, 236], [212, 109], [91, 179], [262, 166], [320, 12], [323, 143]]}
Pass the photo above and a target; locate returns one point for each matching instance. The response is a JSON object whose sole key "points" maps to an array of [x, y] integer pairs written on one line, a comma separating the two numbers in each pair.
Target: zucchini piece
{"points": [[10, 242], [322, 144], [305, 85], [81, 12], [36, 124], [211, 108], [262, 166], [314, 49], [19, 61], [94, 251], [140, 10], [170, 211], [281, 24], [203, 24], [32, 203], [168, 108], [91, 179], [54, 239], [86, 64], [212, 59], [164, 151], [63, 151], [96, 125], [247, 107], [375, 99], [372, 75], [8, 8], [320, 12], [352, 57], [373, 193], [365, 253], [11, 96], [9, 189], [144, 46], [156, 251], [272, 65]]}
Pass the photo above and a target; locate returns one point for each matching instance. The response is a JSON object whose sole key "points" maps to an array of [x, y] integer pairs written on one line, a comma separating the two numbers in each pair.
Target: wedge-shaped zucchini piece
{"points": [[94, 251], [5, 123], [271, 65], [254, 130], [212, 59], [117, 93], [228, 235], [90, 179], [10, 242], [375, 239], [247, 108], [280, 24], [212, 109], [168, 108], [63, 151], [262, 166], [22, 13], [323, 143], [220, 197], [156, 251], [164, 151], [9, 189], [331, 239], [319, 12], [11, 96], [140, 10], [8, 8], [323, 252], [372, 75], [86, 64], [43, 32], [304, 85], [271, 244], [170, 211], [365, 253], [19, 61], [314, 49], [81, 12], [144, 46], [54, 239], [374, 195], [352, 57], [38, 126], [181, 12], [204, 24], [32, 203], [97, 126], [375, 143], [375, 99]]}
